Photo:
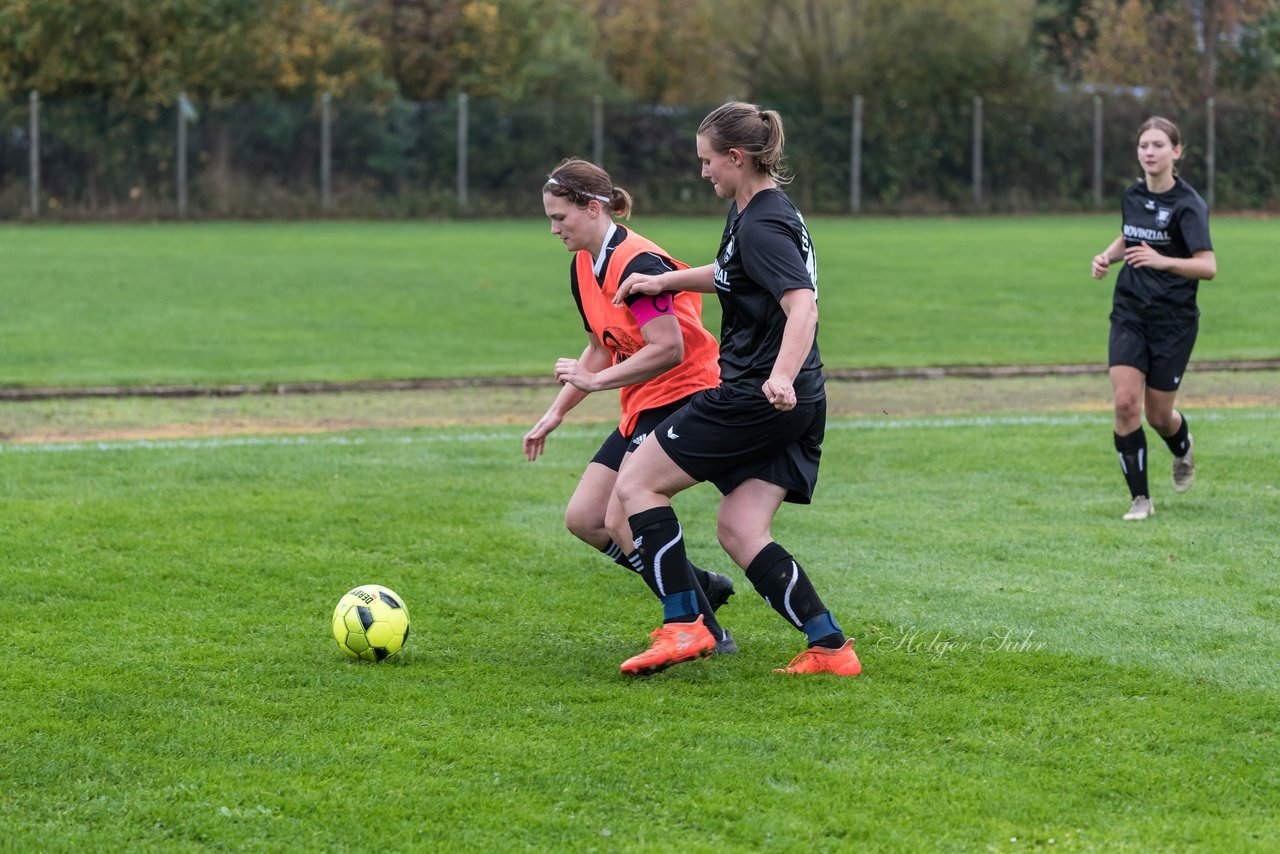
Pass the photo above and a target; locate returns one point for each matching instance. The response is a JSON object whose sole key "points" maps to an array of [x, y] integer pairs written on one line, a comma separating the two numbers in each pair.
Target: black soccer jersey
{"points": [[764, 252], [1175, 224]]}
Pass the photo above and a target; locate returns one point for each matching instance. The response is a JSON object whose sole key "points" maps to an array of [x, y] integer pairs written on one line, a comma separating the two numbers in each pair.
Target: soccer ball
{"points": [[371, 623]]}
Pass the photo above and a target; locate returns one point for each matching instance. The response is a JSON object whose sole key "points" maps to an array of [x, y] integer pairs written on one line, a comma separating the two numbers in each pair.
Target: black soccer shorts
{"points": [[727, 437], [1160, 353], [617, 446]]}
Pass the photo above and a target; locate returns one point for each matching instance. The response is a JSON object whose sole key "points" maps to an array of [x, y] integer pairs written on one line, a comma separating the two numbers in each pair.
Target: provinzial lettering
{"points": [[1150, 234]]}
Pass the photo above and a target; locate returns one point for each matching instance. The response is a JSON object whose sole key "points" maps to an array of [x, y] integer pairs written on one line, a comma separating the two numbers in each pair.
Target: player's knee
{"points": [[1162, 422], [615, 522], [1128, 408], [628, 488], [583, 525], [738, 543]]}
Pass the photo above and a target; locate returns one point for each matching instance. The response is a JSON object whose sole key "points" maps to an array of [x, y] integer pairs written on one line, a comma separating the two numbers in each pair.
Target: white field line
{"points": [[513, 435]]}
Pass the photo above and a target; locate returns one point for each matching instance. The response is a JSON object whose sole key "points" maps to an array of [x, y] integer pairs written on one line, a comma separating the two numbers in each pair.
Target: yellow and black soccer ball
{"points": [[371, 623]]}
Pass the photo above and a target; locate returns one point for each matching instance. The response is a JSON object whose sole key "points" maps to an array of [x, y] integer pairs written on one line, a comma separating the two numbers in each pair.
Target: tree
{"points": [[1139, 44], [1167, 45], [1251, 58], [521, 50], [662, 51], [148, 50], [921, 51], [1220, 24], [418, 37]]}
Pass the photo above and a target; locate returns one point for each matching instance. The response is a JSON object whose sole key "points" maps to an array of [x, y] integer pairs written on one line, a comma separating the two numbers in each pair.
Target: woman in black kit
{"points": [[1165, 246], [758, 435]]}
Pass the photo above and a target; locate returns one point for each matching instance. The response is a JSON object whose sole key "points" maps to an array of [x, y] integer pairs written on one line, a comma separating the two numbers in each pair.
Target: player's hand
{"points": [[571, 371], [1143, 255], [535, 441], [635, 284], [1101, 264], [780, 393]]}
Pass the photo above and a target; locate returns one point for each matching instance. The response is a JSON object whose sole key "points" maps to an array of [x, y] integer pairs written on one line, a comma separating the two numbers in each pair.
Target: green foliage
{"points": [[1038, 673], [416, 36], [148, 52], [270, 303], [516, 50]]}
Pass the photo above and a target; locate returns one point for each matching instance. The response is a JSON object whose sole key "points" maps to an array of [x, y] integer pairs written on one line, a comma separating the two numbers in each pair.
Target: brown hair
{"points": [[1161, 123], [581, 182], [755, 131]]}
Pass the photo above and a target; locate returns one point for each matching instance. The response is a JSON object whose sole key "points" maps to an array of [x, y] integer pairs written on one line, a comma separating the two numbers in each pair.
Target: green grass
{"points": [[1038, 674], [269, 302]]}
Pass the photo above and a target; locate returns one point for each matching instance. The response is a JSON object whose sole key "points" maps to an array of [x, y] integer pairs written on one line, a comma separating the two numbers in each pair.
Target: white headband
{"points": [[604, 199]]}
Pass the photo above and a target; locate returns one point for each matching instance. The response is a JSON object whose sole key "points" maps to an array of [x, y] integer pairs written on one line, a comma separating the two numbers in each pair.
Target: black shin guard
{"points": [[660, 545], [1180, 442], [784, 585], [1133, 461]]}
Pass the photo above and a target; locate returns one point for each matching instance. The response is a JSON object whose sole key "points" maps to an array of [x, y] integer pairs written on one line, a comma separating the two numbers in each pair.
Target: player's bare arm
{"points": [[663, 349], [801, 307], [698, 279], [535, 441]]}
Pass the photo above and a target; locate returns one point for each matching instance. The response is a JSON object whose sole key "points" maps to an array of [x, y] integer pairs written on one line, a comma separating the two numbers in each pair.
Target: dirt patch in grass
{"points": [[126, 418]]}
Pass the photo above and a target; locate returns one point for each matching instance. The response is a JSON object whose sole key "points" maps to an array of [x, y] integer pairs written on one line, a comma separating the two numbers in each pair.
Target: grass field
{"points": [[1038, 675], [272, 302]]}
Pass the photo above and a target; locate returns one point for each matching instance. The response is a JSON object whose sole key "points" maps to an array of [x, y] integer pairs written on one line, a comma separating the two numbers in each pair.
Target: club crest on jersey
{"points": [[1162, 217]]}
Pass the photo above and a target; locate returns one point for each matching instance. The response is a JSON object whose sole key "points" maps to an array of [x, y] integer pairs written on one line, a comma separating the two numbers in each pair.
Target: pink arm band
{"points": [[648, 307]]}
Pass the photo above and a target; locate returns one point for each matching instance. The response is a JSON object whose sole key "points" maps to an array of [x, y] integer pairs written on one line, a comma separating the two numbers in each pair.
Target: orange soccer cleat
{"points": [[672, 644], [818, 659]]}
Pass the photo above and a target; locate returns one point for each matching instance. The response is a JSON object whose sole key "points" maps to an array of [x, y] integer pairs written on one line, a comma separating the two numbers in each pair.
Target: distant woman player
{"points": [[654, 348], [1165, 246]]}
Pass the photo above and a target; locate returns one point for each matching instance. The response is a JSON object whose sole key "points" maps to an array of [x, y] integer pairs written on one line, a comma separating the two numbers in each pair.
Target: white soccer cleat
{"points": [[1140, 509]]}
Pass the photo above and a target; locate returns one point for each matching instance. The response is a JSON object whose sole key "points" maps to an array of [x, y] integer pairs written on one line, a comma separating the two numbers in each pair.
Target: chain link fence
{"points": [[1069, 151]]}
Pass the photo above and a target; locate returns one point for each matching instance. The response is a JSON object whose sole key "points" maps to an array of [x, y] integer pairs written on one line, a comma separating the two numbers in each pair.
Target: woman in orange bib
{"points": [[653, 348]]}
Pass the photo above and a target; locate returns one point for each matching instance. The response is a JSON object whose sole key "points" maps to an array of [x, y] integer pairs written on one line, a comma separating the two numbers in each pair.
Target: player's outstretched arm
{"points": [[535, 441], [699, 279]]}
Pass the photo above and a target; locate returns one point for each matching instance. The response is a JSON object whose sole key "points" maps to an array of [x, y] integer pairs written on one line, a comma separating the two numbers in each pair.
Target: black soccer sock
{"points": [[785, 586], [660, 549], [660, 544], [700, 575], [647, 574], [614, 552], [1180, 442], [1133, 461]]}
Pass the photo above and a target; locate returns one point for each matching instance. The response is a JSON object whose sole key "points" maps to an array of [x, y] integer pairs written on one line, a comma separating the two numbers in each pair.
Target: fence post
{"points": [[181, 155], [1097, 152], [855, 158], [326, 150], [597, 130], [462, 150], [1210, 150], [34, 99], [977, 152]]}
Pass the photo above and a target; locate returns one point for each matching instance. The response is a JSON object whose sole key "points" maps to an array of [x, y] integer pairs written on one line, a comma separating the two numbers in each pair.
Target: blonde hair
{"points": [[582, 182], [753, 130]]}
